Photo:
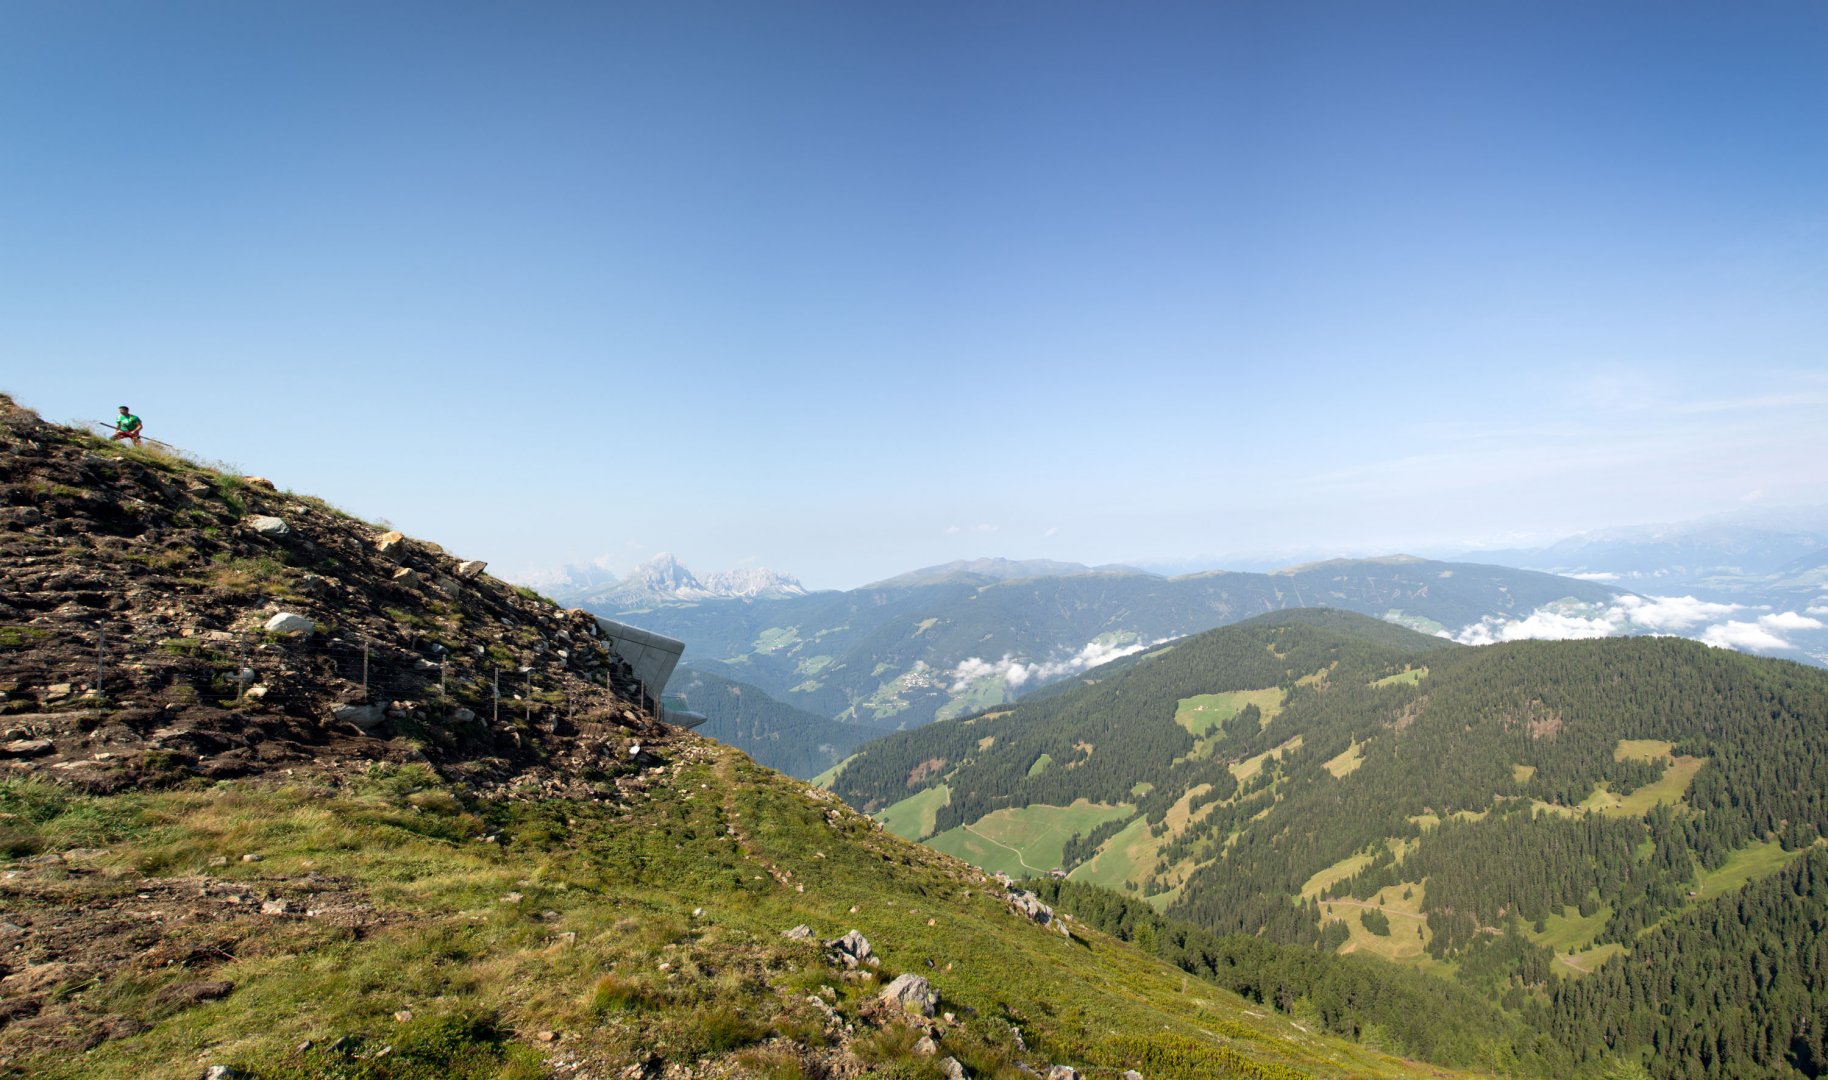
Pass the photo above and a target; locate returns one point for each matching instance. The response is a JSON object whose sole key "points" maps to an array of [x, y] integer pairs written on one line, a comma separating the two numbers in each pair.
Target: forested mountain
{"points": [[1531, 819], [772, 732], [903, 652]]}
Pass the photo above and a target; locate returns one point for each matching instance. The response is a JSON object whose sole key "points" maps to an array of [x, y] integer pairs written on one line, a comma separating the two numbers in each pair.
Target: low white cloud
{"points": [[1672, 612], [952, 528], [1017, 673], [1745, 636], [1819, 609], [1789, 620], [1686, 615], [1594, 575]]}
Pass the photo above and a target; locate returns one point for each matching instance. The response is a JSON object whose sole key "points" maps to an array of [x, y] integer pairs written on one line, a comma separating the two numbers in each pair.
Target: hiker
{"points": [[127, 426]]}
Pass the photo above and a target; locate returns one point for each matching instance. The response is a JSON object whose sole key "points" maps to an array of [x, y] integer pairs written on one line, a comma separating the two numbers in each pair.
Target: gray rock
{"points": [[219, 1072], [798, 933], [1132, 1074], [268, 526], [1063, 1072], [471, 567], [953, 1069], [391, 544], [275, 907], [913, 993], [366, 717], [290, 622], [926, 1047], [26, 747], [853, 949], [406, 576]]}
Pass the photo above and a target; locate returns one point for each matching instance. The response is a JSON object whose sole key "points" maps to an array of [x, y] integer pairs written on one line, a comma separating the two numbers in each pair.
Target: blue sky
{"points": [[846, 289]]}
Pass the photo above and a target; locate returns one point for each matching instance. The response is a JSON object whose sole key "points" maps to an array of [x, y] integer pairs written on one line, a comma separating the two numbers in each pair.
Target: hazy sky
{"points": [[846, 289]]}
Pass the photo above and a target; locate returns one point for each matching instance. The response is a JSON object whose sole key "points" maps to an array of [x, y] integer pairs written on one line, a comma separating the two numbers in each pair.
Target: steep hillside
{"points": [[774, 733], [308, 851], [1516, 817], [904, 653]]}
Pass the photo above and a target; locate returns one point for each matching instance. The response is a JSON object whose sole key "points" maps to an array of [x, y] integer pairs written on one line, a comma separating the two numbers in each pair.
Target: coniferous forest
{"points": [[1612, 848]]}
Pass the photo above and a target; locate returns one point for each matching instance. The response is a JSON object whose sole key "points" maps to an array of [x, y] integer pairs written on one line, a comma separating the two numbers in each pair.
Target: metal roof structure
{"points": [[652, 657]]}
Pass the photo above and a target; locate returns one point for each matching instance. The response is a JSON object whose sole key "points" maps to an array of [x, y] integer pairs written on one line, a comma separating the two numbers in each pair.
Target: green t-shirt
{"points": [[127, 423]]}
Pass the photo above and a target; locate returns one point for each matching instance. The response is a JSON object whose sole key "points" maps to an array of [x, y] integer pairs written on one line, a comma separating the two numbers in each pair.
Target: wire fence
{"points": [[111, 663]]}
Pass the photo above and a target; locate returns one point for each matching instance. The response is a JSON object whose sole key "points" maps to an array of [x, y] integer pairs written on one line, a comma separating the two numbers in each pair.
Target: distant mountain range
{"points": [[951, 639], [1716, 551], [661, 580], [988, 570]]}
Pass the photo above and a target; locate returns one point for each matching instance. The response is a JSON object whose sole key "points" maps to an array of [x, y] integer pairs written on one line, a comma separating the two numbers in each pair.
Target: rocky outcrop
{"points": [[912, 994], [159, 619]]}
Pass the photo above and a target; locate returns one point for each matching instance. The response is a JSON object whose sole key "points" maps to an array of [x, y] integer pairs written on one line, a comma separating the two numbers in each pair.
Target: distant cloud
{"points": [[1624, 615], [1745, 636], [1051, 530], [1018, 673], [981, 527], [1647, 615], [952, 529], [1789, 620], [1594, 575]]}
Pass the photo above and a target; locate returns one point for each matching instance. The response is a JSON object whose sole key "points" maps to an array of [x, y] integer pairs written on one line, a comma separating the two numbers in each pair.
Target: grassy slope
{"points": [[644, 972]]}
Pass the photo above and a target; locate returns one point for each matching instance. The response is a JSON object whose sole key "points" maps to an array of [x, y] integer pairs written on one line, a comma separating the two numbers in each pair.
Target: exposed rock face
{"points": [[267, 525], [471, 568]]}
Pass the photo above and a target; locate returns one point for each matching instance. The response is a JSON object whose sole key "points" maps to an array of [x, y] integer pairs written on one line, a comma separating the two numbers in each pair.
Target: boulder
{"points": [[471, 567], [953, 1069], [926, 1047], [852, 949], [1132, 1074], [26, 747], [391, 544], [406, 576], [1063, 1072], [366, 717], [258, 481], [267, 525], [290, 622], [799, 933], [913, 993]]}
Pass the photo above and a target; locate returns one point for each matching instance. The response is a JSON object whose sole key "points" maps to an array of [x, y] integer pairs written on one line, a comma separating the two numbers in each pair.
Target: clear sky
{"points": [[848, 288]]}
